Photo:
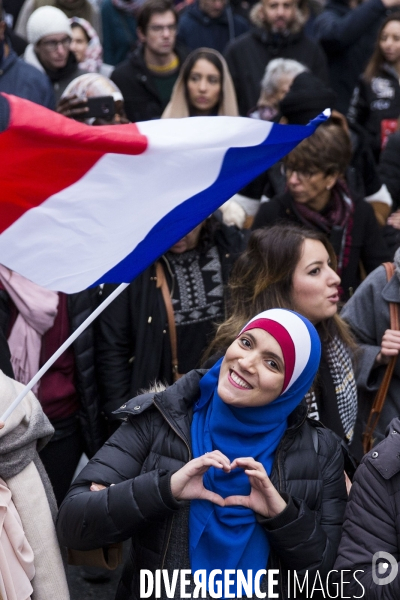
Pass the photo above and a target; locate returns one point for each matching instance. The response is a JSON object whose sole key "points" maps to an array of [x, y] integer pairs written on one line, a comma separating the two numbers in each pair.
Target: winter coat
{"points": [[373, 102], [197, 30], [80, 306], [348, 37], [249, 54], [133, 345], [23, 80], [372, 521], [389, 167], [141, 98], [140, 458], [367, 313], [119, 33], [365, 228]]}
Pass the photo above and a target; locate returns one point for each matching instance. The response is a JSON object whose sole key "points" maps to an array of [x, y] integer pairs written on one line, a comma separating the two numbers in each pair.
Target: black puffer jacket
{"points": [[154, 442], [372, 520], [80, 306]]}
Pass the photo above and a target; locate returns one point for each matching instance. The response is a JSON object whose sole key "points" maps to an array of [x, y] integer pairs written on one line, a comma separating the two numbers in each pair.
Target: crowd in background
{"points": [[309, 234]]}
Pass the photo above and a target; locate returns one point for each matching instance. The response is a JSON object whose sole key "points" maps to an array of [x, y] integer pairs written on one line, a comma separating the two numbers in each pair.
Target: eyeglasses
{"points": [[53, 44], [160, 28], [301, 174]]}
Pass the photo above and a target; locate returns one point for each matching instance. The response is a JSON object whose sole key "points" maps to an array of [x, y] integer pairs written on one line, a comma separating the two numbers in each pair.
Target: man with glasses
{"points": [[148, 75], [18, 78], [49, 36]]}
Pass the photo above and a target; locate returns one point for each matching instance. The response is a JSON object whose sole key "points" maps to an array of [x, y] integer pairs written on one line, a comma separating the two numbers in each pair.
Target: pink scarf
{"points": [[37, 309]]}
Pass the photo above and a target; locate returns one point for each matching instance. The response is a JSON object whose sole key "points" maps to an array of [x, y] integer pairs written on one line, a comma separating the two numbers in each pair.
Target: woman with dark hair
{"points": [[317, 196], [183, 291], [376, 100], [177, 477], [203, 88], [293, 267]]}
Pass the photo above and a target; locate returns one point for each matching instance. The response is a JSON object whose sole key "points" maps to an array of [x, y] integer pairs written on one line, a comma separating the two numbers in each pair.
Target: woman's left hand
{"points": [[264, 499]]}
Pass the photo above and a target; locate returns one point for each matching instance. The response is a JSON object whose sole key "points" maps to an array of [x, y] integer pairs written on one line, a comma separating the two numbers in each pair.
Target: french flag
{"points": [[86, 205]]}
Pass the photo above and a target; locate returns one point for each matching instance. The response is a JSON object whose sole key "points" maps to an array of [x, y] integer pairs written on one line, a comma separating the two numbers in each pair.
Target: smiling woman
{"points": [[247, 427], [295, 268]]}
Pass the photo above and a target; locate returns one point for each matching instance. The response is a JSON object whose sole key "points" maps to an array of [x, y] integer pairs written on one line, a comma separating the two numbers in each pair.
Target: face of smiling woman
{"points": [[252, 371]]}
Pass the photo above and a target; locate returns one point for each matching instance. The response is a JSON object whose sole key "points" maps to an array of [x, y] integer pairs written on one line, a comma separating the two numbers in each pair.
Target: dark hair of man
{"points": [[377, 59], [262, 279], [151, 7], [189, 64], [1, 11], [328, 150]]}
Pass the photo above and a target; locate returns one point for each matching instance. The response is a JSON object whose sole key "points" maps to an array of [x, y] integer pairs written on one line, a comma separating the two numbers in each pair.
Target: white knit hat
{"points": [[47, 20]]}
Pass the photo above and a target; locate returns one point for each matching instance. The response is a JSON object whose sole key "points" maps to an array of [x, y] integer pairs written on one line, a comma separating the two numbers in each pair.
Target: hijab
{"points": [[94, 51], [178, 105], [230, 537]]}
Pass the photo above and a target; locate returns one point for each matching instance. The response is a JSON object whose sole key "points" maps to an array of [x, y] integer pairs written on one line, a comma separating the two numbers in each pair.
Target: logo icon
{"points": [[389, 568]]}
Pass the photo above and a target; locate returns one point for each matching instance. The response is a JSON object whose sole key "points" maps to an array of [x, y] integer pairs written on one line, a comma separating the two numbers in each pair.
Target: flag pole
{"points": [[62, 349]]}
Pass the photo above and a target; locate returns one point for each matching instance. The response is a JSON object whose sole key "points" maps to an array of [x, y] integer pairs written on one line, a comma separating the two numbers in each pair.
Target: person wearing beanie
{"points": [[83, 9], [49, 36], [19, 78]]}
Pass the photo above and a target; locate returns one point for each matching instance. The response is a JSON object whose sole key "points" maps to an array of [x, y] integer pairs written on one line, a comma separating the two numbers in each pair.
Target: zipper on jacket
{"points": [[180, 436]]}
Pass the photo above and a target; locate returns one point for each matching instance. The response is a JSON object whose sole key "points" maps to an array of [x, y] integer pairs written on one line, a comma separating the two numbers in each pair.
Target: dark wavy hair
{"points": [[262, 279], [377, 59]]}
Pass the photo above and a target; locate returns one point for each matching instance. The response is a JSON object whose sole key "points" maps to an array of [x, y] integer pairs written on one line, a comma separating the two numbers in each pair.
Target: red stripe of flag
{"points": [[42, 152]]}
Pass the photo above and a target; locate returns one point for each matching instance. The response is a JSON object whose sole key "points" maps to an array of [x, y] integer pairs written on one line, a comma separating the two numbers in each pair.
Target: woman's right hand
{"points": [[390, 346], [187, 483]]}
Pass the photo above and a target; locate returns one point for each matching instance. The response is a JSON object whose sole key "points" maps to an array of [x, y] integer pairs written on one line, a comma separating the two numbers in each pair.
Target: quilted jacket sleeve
{"points": [[132, 497], [370, 527]]}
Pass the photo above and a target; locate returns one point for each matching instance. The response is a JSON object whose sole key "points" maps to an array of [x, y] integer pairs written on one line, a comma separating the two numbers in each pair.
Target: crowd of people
{"points": [[237, 402]]}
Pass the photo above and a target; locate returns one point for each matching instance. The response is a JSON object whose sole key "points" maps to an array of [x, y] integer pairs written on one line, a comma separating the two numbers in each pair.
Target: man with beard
{"points": [[279, 33]]}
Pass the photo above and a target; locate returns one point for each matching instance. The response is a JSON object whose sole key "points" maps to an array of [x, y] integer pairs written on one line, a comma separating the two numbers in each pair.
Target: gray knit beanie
{"points": [[47, 20]]}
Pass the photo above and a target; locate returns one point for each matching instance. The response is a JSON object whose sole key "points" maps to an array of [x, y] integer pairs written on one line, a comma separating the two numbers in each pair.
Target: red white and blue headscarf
{"points": [[230, 537]]}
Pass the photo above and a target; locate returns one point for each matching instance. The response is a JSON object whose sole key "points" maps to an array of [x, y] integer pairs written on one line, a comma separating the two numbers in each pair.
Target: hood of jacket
{"points": [[257, 19]]}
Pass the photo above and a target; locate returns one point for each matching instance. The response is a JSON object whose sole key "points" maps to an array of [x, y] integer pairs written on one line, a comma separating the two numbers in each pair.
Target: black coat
{"points": [[133, 345], [196, 29], [249, 54], [365, 229], [389, 167], [373, 102], [372, 519], [140, 458], [142, 101], [80, 306], [348, 37]]}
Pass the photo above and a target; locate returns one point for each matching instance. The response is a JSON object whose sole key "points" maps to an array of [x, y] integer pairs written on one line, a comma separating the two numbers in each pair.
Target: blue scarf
{"points": [[230, 537]]}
